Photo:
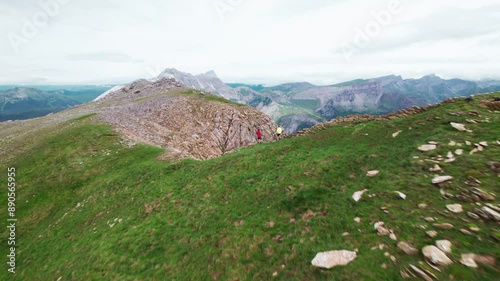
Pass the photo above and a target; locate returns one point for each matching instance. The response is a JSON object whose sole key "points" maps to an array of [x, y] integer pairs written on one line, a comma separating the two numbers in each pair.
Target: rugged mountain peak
{"points": [[210, 74], [208, 82], [388, 79], [431, 77], [171, 73]]}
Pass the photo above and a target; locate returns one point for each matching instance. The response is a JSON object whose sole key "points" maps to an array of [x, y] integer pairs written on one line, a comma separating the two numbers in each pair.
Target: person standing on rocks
{"points": [[279, 132], [259, 135]]}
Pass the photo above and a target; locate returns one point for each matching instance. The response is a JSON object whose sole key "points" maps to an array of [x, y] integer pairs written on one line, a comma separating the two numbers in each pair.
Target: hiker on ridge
{"points": [[279, 131], [259, 135]]}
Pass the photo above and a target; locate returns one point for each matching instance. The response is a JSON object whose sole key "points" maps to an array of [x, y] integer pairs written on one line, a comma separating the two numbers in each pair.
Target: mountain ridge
{"points": [[301, 104], [25, 103]]}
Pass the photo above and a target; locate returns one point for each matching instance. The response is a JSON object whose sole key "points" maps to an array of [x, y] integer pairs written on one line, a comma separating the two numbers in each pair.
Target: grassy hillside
{"points": [[91, 208]]}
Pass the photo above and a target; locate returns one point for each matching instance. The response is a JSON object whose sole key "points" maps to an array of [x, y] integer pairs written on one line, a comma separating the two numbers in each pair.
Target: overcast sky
{"points": [[251, 41]]}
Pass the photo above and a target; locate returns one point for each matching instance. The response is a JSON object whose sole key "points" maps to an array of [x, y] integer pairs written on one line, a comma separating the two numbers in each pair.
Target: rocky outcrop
{"points": [[492, 105], [185, 122]]}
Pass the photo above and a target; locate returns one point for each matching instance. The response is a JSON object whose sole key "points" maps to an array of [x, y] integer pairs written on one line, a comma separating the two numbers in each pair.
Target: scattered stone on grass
{"points": [[446, 226], [475, 229], [444, 245], [460, 127], [436, 168], [421, 273], [465, 231], [427, 147], [409, 250], [436, 256], [485, 260], [431, 233], [393, 237], [482, 194], [381, 230], [491, 213], [441, 179], [468, 260], [455, 208], [333, 258], [357, 195], [497, 209], [402, 195]]}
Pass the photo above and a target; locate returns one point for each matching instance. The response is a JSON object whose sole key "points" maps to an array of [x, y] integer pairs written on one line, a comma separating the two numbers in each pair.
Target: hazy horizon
{"points": [[227, 82], [70, 42]]}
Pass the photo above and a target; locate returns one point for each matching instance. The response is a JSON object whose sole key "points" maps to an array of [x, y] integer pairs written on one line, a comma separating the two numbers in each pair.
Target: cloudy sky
{"points": [[251, 41]]}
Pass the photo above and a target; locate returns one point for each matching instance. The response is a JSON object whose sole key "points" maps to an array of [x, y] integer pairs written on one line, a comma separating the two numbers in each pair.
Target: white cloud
{"points": [[267, 41]]}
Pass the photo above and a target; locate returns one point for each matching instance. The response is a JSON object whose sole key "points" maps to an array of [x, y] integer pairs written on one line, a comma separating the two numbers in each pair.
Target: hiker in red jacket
{"points": [[259, 135]]}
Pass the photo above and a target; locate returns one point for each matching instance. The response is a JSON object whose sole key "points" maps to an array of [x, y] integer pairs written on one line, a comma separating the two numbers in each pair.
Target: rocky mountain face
{"points": [[24, 103], [388, 94], [188, 123], [296, 122]]}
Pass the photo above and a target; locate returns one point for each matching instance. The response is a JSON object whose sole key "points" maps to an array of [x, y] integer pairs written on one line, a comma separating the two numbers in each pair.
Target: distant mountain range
{"points": [[20, 103], [294, 105], [301, 105]]}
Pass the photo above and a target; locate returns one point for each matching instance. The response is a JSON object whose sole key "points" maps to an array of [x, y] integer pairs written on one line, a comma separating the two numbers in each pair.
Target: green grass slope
{"points": [[89, 208]]}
